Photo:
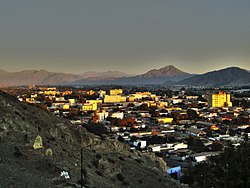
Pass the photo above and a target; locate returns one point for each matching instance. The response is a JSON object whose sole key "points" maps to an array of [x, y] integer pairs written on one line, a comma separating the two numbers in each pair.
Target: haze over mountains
{"points": [[43, 77], [168, 75]]}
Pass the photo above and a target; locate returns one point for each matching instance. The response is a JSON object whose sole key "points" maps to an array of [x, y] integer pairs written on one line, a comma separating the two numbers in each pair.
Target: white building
{"points": [[118, 115]]}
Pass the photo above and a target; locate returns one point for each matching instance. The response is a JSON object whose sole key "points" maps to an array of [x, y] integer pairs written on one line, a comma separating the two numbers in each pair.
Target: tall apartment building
{"points": [[220, 99]]}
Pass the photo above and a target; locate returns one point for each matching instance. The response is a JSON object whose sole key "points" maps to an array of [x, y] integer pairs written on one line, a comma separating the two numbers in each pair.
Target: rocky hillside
{"points": [[25, 162]]}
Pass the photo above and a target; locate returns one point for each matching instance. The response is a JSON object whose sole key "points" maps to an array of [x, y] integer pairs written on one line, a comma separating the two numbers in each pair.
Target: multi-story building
{"points": [[140, 95], [114, 99], [91, 105], [116, 92], [220, 99], [102, 115], [50, 91], [88, 107]]}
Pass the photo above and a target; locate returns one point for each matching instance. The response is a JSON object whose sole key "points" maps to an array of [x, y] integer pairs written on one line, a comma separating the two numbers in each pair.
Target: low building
{"points": [[91, 105], [72, 101], [102, 93], [142, 144], [155, 148], [175, 172], [162, 104], [118, 115], [102, 115], [88, 107], [195, 132], [164, 120], [114, 99], [199, 157], [116, 92], [49, 91]]}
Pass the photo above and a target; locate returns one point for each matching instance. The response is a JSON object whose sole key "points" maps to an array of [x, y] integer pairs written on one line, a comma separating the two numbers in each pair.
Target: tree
{"points": [[95, 118], [131, 105], [229, 169], [73, 113], [143, 107], [195, 144], [192, 114], [98, 129], [176, 116]]}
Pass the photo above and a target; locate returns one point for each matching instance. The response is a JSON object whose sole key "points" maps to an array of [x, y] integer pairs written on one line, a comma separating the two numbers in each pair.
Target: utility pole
{"points": [[81, 167], [225, 166]]}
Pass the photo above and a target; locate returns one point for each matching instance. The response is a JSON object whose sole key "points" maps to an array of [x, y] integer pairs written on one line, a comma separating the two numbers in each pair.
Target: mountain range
{"points": [[43, 77], [155, 76], [167, 76]]}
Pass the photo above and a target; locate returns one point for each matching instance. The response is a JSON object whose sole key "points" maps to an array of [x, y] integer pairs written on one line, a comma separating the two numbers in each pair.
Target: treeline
{"points": [[229, 169]]}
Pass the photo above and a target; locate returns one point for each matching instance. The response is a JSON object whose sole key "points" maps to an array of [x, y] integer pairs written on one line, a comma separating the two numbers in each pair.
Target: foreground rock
{"points": [[38, 149]]}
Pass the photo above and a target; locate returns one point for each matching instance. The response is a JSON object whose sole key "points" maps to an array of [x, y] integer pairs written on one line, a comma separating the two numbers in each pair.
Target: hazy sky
{"points": [[132, 36]]}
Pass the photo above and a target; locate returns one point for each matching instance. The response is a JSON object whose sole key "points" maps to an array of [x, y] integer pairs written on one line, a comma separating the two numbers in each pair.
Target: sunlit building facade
{"points": [[219, 100]]}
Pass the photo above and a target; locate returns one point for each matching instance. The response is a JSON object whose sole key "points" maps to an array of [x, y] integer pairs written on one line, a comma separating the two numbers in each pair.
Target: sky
{"points": [[132, 36]]}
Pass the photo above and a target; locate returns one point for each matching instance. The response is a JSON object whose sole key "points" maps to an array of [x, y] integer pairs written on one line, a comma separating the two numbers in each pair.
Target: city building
{"points": [[140, 95], [220, 99], [88, 107], [116, 92], [102, 93], [118, 115], [114, 99], [49, 91], [164, 120], [102, 115]]}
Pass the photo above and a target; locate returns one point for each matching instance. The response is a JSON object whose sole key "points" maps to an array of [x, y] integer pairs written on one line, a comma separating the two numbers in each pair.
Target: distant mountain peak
{"points": [[167, 71], [169, 67]]}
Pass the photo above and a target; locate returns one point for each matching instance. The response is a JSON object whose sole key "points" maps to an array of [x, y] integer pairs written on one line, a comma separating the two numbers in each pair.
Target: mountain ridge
{"points": [[44, 77], [168, 75], [230, 76], [154, 76]]}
